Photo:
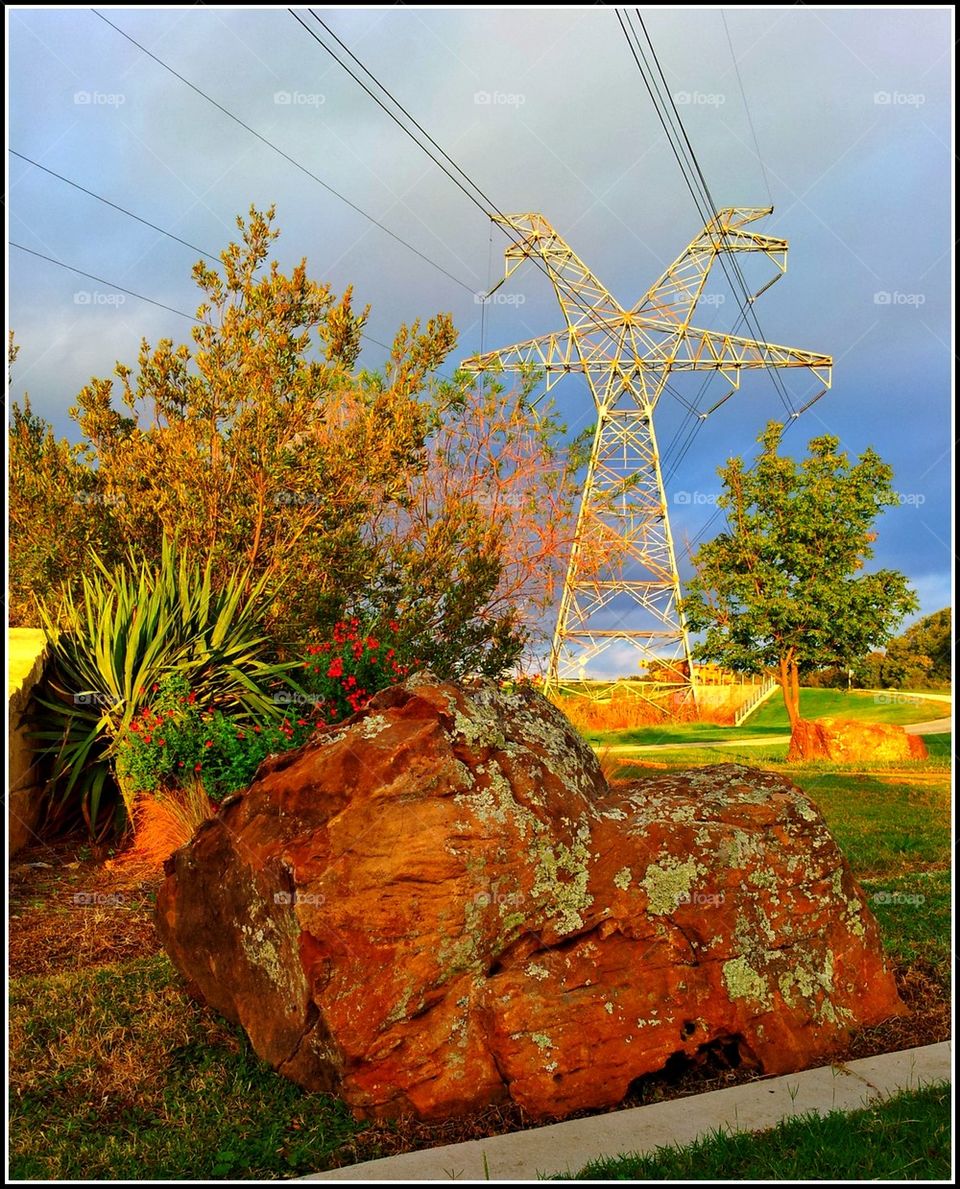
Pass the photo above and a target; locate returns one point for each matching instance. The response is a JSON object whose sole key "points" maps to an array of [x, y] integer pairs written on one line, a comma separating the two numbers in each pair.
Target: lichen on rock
{"points": [[442, 905]]}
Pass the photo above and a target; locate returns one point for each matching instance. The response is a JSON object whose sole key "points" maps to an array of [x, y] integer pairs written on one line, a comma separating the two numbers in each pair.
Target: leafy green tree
{"points": [[393, 494], [784, 590], [258, 443], [54, 516], [920, 656]]}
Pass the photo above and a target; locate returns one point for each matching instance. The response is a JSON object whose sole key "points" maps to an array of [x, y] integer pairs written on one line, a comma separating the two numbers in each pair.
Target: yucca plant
{"points": [[110, 648]]}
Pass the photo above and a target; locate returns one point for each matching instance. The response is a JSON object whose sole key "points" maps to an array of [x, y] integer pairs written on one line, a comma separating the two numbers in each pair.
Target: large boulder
{"points": [[846, 740], [440, 904]]}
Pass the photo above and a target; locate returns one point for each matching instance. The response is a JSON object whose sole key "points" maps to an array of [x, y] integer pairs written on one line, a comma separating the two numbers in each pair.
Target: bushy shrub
{"points": [[132, 628], [344, 673], [176, 739], [177, 736]]}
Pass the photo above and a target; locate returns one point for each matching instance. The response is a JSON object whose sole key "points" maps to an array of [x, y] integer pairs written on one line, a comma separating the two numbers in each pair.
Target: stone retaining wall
{"points": [[27, 655]]}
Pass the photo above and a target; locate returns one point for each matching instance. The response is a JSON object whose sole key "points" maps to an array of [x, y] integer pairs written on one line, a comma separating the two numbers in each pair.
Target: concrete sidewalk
{"points": [[937, 726], [564, 1148]]}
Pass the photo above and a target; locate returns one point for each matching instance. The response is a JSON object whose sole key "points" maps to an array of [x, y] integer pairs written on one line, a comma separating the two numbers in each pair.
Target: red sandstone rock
{"points": [[848, 739], [440, 904]]}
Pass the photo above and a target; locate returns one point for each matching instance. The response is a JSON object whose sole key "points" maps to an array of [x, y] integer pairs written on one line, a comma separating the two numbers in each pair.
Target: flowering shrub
{"points": [[344, 673], [175, 738]]}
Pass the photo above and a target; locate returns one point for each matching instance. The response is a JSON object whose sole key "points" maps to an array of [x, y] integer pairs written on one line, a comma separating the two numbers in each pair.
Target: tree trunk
{"points": [[789, 681], [800, 737]]}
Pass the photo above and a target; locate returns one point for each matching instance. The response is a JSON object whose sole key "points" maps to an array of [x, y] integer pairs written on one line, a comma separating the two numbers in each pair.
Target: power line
{"points": [[470, 188], [286, 156], [116, 206], [677, 147], [747, 307], [131, 214], [746, 107], [382, 105], [484, 203], [102, 281]]}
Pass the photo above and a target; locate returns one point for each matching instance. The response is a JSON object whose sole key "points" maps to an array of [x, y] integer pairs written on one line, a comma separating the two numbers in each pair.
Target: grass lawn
{"points": [[823, 703], [115, 1073], [904, 1138], [940, 747], [118, 1076], [771, 718]]}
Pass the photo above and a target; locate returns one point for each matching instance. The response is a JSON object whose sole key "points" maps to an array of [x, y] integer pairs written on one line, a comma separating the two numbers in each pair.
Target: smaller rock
{"points": [[844, 739]]}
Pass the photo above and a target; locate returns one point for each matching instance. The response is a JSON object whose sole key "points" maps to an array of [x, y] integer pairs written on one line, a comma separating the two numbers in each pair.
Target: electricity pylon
{"points": [[622, 584]]}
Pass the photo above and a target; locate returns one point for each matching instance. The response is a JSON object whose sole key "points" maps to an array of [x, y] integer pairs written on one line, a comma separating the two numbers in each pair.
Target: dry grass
{"points": [[166, 821], [620, 712], [74, 914]]}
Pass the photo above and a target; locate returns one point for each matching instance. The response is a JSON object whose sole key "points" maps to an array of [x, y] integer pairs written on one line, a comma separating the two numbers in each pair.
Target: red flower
{"points": [[372, 643], [192, 697], [134, 726], [197, 767], [180, 763], [209, 743], [240, 735], [147, 738], [154, 687], [301, 722], [256, 730], [336, 667], [161, 742]]}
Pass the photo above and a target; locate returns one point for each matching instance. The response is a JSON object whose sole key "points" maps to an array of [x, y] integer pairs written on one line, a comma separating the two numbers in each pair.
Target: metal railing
{"points": [[764, 690]]}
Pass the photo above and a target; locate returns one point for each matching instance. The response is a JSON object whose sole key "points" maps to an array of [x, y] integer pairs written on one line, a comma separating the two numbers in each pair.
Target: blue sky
{"points": [[851, 111]]}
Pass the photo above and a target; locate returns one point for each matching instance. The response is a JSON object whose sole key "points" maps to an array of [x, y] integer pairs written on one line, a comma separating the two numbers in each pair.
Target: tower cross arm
{"points": [[705, 350], [555, 353]]}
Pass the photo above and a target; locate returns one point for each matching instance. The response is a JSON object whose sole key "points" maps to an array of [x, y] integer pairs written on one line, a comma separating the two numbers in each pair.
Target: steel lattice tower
{"points": [[627, 357]]}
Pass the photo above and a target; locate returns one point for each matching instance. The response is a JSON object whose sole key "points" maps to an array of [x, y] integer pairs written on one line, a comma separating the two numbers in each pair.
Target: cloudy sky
{"points": [[546, 110]]}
